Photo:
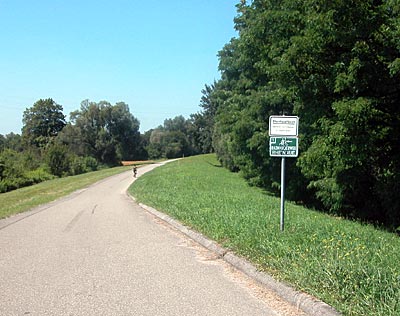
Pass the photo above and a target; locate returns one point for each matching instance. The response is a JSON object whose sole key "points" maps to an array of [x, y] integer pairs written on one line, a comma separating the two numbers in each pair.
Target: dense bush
{"points": [[80, 165], [57, 158], [20, 169], [172, 140], [39, 175], [28, 178], [335, 64]]}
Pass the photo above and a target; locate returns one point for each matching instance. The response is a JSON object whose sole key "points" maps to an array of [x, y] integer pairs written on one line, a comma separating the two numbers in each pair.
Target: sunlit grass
{"points": [[26, 198], [351, 266]]}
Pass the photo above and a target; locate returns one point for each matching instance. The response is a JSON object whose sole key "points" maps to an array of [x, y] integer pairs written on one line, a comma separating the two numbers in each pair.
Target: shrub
{"points": [[58, 160], [91, 163], [38, 175], [80, 165], [3, 186]]}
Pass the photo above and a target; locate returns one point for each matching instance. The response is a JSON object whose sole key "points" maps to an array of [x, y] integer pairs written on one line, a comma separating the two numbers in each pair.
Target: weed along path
{"points": [[96, 252]]}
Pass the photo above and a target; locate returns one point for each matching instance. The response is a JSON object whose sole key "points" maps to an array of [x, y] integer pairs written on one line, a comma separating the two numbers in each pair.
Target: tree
{"points": [[109, 133], [13, 141], [171, 140], [176, 144], [202, 128], [124, 127], [2, 142], [42, 122], [352, 158], [176, 124], [155, 148], [336, 65]]}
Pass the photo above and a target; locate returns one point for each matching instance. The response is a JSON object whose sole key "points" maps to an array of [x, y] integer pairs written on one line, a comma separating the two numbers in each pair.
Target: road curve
{"points": [[96, 252]]}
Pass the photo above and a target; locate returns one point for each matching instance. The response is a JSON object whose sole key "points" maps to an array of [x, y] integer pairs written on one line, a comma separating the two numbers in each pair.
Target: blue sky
{"points": [[155, 55]]}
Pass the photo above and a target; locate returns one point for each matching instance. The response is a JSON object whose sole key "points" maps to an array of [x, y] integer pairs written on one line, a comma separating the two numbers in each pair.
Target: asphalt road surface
{"points": [[96, 252]]}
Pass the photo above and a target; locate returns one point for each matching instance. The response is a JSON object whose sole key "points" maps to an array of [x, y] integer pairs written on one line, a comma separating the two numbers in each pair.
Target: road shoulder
{"points": [[302, 301]]}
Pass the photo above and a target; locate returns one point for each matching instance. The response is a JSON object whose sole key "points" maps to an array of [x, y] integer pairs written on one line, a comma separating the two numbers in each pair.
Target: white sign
{"points": [[283, 126]]}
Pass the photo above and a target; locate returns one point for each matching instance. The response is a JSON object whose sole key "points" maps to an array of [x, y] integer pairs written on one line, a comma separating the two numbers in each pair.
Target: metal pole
{"points": [[283, 194]]}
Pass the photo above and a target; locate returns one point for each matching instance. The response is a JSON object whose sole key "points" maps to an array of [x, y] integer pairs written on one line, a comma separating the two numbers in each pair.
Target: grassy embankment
{"points": [[26, 198], [351, 266]]}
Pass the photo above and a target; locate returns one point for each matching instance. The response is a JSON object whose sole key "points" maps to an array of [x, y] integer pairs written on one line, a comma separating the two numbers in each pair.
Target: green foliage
{"points": [[17, 170], [335, 65], [11, 141], [110, 133], [352, 266], [2, 142], [12, 164], [39, 175], [155, 150], [98, 134], [203, 122], [172, 140], [57, 159], [80, 165], [124, 128], [42, 122], [221, 144]]}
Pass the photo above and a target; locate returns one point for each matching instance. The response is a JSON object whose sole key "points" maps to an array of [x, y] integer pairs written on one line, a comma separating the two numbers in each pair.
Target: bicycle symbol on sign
{"points": [[285, 142]]}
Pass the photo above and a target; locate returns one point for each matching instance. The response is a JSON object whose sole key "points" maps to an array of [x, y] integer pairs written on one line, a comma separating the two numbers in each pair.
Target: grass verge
{"points": [[23, 199], [351, 266]]}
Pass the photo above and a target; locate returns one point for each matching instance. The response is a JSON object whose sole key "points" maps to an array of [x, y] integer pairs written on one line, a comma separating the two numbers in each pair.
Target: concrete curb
{"points": [[310, 305]]}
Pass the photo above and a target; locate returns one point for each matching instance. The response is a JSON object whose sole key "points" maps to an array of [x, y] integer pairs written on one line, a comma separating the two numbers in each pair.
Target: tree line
{"points": [[97, 135], [336, 65]]}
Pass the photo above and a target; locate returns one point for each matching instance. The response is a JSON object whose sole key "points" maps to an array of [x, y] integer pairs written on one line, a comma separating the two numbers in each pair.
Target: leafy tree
{"points": [[176, 144], [125, 129], [71, 136], [171, 140], [14, 142], [2, 142], [336, 65], [176, 124], [88, 123], [42, 122], [155, 148], [109, 133], [359, 114], [203, 122]]}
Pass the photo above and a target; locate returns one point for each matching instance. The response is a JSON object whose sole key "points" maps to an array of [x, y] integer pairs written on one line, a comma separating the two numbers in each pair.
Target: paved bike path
{"points": [[97, 252]]}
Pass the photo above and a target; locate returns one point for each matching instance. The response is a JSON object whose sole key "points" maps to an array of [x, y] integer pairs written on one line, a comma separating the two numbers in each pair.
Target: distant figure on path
{"points": [[134, 171]]}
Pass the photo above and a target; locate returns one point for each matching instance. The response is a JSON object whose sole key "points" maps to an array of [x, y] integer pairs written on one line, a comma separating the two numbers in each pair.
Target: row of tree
{"points": [[98, 134], [178, 137], [336, 65]]}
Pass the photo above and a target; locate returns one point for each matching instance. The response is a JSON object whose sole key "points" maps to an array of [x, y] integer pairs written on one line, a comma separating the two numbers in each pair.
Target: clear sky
{"points": [[155, 55]]}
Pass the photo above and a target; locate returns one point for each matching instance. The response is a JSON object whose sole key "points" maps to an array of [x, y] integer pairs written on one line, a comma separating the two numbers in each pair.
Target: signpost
{"points": [[283, 142]]}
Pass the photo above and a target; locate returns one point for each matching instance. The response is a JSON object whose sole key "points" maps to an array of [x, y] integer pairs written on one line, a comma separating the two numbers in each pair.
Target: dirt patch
{"points": [[136, 162]]}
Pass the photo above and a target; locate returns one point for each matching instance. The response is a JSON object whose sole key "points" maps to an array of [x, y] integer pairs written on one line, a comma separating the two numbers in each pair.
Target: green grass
{"points": [[26, 198], [353, 267]]}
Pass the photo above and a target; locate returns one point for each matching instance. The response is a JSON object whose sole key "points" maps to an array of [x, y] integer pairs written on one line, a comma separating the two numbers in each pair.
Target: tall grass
{"points": [[353, 267]]}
